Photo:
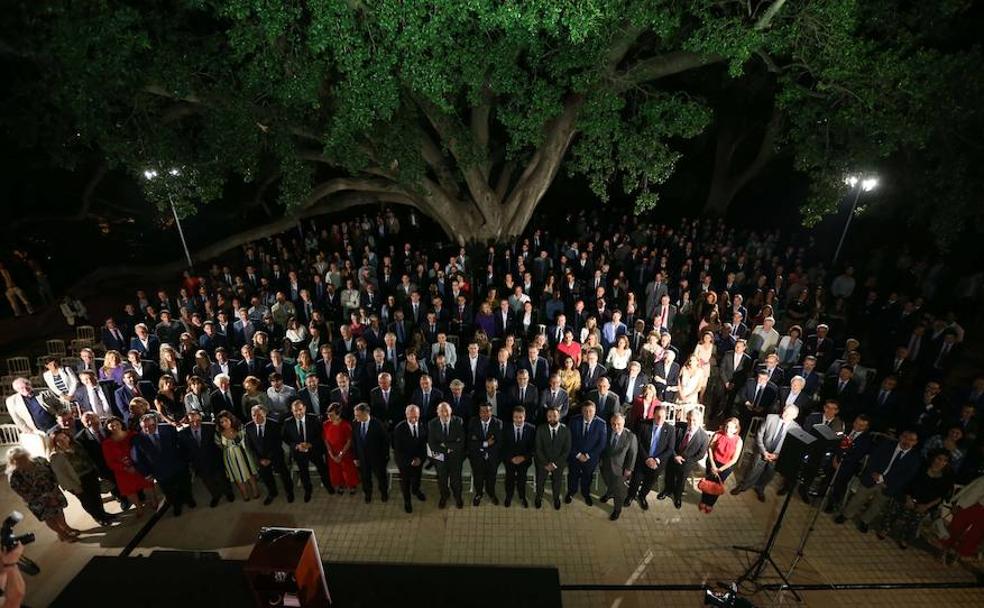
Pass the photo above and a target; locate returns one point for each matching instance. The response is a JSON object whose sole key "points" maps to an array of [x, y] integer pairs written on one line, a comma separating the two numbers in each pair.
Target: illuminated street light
{"points": [[151, 174], [859, 185]]}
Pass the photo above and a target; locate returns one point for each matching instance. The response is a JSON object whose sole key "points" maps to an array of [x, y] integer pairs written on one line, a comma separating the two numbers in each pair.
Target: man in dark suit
{"points": [[820, 346], [385, 401], [145, 343], [826, 415], [843, 389], [198, 442], [808, 370], [446, 438], [132, 387], [347, 395], [113, 337], [371, 451], [587, 443], [666, 376], [517, 454], [537, 367], [756, 398], [460, 401], [503, 371], [617, 461], [211, 339], [227, 397], [90, 438], [890, 469], [302, 434], [525, 394], [629, 386], [735, 367], [316, 398], [794, 394], [410, 450], [427, 397], [690, 448], [853, 448], [249, 365], [656, 443], [554, 397], [157, 453], [884, 405], [328, 365], [484, 439], [771, 435], [264, 439], [591, 370], [552, 448], [607, 401], [472, 369]]}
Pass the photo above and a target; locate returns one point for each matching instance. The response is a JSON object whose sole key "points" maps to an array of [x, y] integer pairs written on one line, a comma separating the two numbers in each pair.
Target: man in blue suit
{"points": [[850, 454], [132, 387], [158, 453], [656, 442], [588, 435], [890, 469]]}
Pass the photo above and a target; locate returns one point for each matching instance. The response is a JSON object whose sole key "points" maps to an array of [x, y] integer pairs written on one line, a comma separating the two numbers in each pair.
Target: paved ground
{"points": [[661, 546]]}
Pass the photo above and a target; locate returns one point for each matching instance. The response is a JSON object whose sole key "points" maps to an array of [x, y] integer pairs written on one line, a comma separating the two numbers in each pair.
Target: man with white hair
{"points": [[34, 413], [769, 439]]}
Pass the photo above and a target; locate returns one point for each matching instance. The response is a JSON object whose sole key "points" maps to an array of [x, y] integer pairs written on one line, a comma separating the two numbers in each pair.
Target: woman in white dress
{"points": [[691, 382]]}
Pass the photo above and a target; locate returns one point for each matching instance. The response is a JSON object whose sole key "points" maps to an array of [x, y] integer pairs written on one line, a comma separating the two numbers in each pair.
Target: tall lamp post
{"points": [[151, 174], [859, 185]]}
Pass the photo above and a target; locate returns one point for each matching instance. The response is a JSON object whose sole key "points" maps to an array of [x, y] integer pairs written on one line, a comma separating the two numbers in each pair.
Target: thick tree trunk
{"points": [[725, 182]]}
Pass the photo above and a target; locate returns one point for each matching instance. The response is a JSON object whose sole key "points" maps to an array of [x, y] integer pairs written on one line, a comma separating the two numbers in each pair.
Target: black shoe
{"points": [[420, 496], [125, 504], [384, 496], [526, 505], [663, 495], [557, 504], [177, 510], [627, 502], [330, 488], [760, 495], [508, 502], [605, 497], [734, 492], [644, 503], [829, 508], [213, 503], [568, 499], [290, 498], [307, 495], [368, 498], [862, 527], [495, 501], [614, 515], [268, 500], [351, 491], [840, 519], [476, 501], [458, 503], [677, 503], [588, 501], [230, 497], [191, 503], [782, 491], [443, 503], [537, 502], [408, 507]]}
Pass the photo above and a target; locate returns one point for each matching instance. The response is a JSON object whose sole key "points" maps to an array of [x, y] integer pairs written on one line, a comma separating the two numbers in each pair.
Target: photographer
{"points": [[11, 582]]}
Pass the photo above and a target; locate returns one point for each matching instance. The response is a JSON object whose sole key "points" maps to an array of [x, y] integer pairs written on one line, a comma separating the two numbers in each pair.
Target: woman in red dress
{"points": [[341, 463], [724, 452], [642, 407], [116, 449]]}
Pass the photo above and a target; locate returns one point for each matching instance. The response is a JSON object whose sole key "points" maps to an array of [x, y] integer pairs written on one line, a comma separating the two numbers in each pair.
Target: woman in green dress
{"points": [[239, 464]]}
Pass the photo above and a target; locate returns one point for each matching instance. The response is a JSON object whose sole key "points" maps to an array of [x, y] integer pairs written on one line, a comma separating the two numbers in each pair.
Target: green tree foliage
{"points": [[466, 109]]}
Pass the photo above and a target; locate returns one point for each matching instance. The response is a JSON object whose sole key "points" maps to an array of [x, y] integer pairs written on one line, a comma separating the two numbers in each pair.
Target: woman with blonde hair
{"points": [[76, 473], [169, 362], [35, 482], [643, 406], [691, 381], [112, 367], [253, 394]]}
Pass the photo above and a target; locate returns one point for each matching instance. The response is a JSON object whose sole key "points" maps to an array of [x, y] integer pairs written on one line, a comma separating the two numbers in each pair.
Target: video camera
{"points": [[7, 538]]}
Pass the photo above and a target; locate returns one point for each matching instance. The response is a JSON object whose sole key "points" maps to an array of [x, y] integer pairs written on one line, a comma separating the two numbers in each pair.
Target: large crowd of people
{"points": [[640, 353]]}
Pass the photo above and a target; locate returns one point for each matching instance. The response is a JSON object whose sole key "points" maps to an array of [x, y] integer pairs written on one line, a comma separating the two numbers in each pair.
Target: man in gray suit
{"points": [[555, 397], [607, 401], [769, 439], [617, 462], [552, 446], [446, 439]]}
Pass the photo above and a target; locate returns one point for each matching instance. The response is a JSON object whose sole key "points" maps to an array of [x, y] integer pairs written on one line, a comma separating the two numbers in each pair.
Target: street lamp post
{"points": [[151, 174], [859, 185]]}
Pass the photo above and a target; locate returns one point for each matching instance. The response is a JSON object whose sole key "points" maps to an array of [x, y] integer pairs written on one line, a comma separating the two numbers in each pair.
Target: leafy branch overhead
{"points": [[466, 109]]}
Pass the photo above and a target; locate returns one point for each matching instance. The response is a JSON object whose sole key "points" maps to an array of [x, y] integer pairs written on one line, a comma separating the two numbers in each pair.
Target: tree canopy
{"points": [[467, 109]]}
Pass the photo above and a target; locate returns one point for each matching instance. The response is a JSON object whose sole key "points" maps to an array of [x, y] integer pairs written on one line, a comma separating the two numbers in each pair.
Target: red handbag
{"points": [[709, 486]]}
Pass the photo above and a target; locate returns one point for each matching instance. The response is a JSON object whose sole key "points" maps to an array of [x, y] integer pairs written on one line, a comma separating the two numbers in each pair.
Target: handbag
{"points": [[709, 486]]}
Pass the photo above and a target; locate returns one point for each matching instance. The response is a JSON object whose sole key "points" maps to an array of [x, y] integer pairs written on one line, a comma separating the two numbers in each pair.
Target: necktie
{"points": [[365, 429], [758, 394], [655, 442], [425, 400], [553, 434], [485, 429], [300, 429], [519, 432], [198, 436], [445, 424], [586, 425], [522, 394], [898, 455], [503, 369], [776, 437], [882, 395], [413, 430], [684, 443], [259, 432]]}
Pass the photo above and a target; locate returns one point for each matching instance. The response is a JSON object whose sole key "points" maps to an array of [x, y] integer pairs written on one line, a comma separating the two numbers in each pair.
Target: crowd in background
{"points": [[604, 346]]}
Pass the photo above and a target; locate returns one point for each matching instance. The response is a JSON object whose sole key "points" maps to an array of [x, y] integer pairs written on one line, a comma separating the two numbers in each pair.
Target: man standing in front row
{"points": [[587, 444], [371, 451], [617, 462], [656, 442], [517, 454], [690, 448], [410, 449], [446, 438], [484, 436], [302, 434], [553, 445], [769, 439]]}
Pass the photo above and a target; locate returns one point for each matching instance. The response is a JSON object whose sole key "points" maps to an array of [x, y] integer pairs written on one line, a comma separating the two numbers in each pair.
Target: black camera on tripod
{"points": [[7, 537]]}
